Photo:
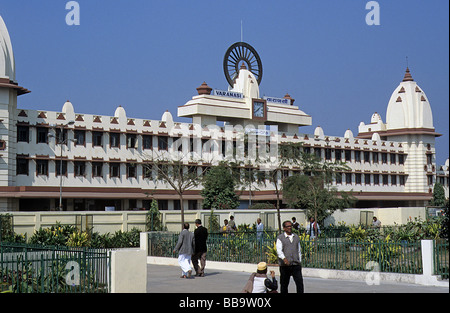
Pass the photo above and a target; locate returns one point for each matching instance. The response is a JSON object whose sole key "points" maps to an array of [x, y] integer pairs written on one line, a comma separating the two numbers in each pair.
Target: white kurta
{"points": [[185, 263]]}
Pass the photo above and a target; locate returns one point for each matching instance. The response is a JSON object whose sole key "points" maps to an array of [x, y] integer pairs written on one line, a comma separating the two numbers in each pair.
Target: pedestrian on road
{"points": [[313, 229], [232, 224], [295, 224], [289, 258], [376, 223], [185, 249], [259, 229], [200, 237]]}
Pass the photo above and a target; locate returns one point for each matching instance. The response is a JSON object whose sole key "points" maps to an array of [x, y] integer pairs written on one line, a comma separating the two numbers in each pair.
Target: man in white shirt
{"points": [[289, 258]]}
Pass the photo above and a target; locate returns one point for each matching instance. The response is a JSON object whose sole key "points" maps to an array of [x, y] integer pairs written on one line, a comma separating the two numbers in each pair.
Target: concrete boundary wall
{"points": [[104, 222]]}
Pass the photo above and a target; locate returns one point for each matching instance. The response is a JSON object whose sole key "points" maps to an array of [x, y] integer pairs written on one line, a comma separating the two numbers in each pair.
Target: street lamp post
{"points": [[62, 141]]}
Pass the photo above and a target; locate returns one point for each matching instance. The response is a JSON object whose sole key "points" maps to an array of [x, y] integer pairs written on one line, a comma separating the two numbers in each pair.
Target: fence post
{"points": [[143, 241], [427, 257], [128, 271]]}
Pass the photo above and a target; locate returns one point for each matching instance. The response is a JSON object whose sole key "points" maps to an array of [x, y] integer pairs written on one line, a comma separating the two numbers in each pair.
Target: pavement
{"points": [[165, 279]]}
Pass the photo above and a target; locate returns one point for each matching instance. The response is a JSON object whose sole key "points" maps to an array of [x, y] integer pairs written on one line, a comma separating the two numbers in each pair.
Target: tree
{"points": [[154, 217], [445, 222], [312, 194], [176, 171], [438, 195], [219, 189]]}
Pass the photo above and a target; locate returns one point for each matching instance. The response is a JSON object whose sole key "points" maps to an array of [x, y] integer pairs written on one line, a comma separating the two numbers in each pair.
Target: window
{"points": [[402, 179], [147, 142], [385, 179], [367, 179], [22, 166], [131, 141], [114, 169], [430, 180], [384, 158], [337, 154], [393, 180], [97, 139], [131, 170], [348, 155], [80, 137], [375, 157], [357, 156], [348, 178], [79, 168], [393, 158], [401, 159], [61, 136], [338, 178], [318, 152], [114, 140], [429, 159], [23, 134], [147, 170], [97, 169], [42, 167], [41, 135], [358, 178], [376, 179], [327, 154], [366, 156], [58, 167], [162, 143]]}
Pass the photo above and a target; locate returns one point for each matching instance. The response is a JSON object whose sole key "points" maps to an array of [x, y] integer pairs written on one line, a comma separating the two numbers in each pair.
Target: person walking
{"points": [[259, 229], [289, 258], [313, 229], [200, 237], [185, 249]]}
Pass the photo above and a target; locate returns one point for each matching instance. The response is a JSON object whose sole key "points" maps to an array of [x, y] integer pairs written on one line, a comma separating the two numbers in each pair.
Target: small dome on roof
{"points": [[121, 114]]}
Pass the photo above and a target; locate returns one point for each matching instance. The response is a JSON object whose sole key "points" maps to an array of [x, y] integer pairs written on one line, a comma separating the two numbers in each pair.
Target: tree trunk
{"points": [[278, 207], [182, 210]]}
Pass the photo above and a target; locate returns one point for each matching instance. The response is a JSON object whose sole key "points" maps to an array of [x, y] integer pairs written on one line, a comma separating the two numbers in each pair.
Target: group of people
{"points": [[192, 247], [289, 259]]}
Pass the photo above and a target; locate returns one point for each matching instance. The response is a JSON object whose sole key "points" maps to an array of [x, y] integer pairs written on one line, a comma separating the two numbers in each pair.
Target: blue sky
{"points": [[150, 56]]}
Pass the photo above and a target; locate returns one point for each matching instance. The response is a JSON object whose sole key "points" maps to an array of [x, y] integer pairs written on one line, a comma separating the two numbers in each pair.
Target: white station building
{"points": [[101, 161]]}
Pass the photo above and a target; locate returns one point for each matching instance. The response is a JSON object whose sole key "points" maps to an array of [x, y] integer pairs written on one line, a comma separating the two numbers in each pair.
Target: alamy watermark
{"points": [[373, 17], [73, 16]]}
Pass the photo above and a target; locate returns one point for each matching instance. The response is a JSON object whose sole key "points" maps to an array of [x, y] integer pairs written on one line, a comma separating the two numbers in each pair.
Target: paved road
{"points": [[165, 279]]}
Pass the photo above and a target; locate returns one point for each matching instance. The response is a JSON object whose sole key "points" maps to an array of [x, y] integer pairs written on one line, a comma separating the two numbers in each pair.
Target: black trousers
{"points": [[285, 276]]}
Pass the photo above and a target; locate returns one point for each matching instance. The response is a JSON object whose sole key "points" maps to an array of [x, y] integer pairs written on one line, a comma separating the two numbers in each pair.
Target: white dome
{"points": [[318, 133], [7, 65], [408, 106], [167, 117], [375, 118], [376, 137], [348, 134], [121, 114], [68, 110]]}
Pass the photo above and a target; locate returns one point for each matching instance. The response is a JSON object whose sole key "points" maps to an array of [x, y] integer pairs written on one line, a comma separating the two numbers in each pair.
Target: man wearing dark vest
{"points": [[200, 237], [289, 258]]}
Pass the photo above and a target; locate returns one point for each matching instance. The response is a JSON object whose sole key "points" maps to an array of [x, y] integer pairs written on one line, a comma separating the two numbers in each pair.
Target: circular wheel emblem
{"points": [[237, 54]]}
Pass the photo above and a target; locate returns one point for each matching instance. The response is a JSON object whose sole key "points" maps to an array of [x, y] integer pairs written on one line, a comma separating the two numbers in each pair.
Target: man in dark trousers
{"points": [[200, 237], [289, 258]]}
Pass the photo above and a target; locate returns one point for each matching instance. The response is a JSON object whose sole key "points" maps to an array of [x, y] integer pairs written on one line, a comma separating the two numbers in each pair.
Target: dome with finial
{"points": [[7, 65], [408, 106]]}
